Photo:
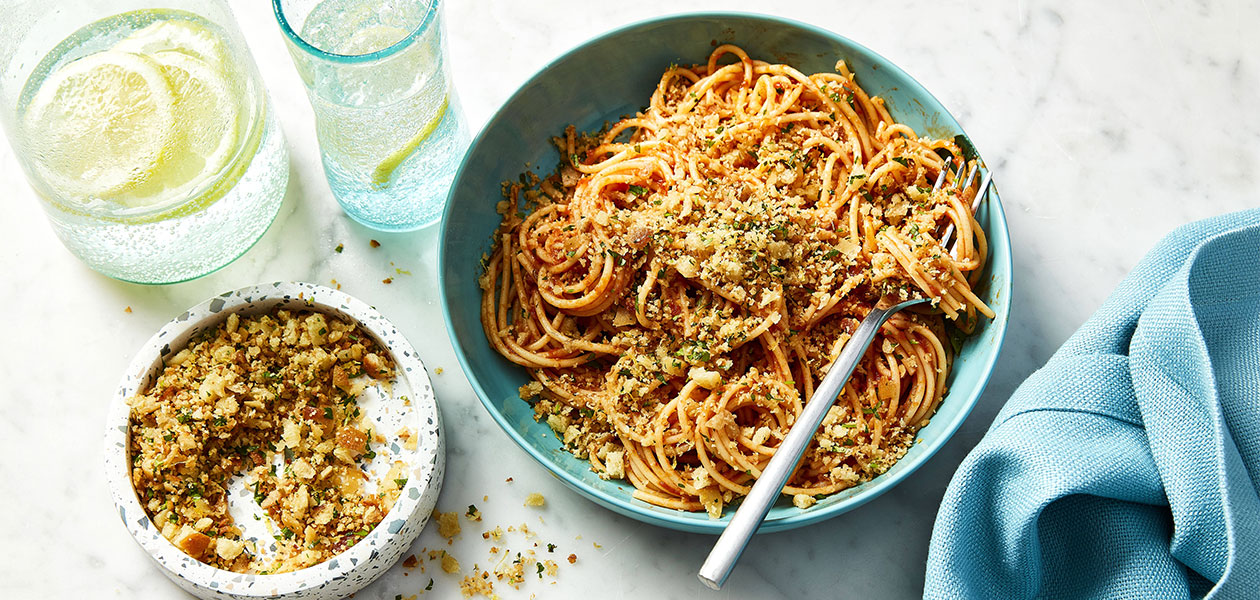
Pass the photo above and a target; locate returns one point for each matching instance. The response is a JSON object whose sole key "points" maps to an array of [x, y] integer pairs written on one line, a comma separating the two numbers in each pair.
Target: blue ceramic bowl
{"points": [[611, 76]]}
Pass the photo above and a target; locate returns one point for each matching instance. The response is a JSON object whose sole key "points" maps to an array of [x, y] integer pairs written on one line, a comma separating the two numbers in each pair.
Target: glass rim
{"points": [[300, 42]]}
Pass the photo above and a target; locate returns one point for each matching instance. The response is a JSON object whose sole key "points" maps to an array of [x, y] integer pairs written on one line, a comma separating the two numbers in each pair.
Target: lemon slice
{"points": [[385, 171], [372, 39], [206, 134], [100, 124], [180, 35]]}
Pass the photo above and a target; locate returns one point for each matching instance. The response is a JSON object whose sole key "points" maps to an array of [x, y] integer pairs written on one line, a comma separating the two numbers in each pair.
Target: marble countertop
{"points": [[1106, 125]]}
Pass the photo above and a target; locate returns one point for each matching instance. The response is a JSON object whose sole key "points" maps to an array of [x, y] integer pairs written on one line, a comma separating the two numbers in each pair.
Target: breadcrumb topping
{"points": [[273, 398]]}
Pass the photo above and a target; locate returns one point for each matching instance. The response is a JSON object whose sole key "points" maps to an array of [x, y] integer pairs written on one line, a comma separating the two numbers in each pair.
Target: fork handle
{"points": [[717, 567]]}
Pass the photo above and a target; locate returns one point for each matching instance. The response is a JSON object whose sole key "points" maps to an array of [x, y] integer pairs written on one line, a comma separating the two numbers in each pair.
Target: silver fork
{"points": [[726, 552]]}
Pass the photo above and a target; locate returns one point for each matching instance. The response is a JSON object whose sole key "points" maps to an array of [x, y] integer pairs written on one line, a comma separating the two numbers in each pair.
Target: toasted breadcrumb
{"points": [[477, 583], [496, 533], [285, 384], [510, 566], [448, 523], [803, 500], [449, 564], [410, 440]]}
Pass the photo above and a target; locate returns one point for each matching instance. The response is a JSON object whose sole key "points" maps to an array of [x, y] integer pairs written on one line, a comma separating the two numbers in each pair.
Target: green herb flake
{"points": [[956, 337], [968, 149]]}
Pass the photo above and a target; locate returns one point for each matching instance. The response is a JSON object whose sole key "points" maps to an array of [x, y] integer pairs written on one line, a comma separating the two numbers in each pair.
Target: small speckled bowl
{"points": [[407, 402]]}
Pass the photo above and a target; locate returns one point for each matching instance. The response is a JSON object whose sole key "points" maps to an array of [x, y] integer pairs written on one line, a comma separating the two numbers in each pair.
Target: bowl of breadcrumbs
{"points": [[277, 441]]}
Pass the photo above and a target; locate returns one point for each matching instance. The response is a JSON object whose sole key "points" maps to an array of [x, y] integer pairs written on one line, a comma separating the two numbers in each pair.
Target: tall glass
{"points": [[145, 131], [390, 128]]}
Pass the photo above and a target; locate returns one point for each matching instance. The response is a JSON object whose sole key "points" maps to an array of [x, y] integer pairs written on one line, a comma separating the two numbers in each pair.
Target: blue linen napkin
{"points": [[1129, 465]]}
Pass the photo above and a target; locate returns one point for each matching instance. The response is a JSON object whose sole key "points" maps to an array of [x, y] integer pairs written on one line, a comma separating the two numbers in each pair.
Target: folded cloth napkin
{"points": [[1129, 465]]}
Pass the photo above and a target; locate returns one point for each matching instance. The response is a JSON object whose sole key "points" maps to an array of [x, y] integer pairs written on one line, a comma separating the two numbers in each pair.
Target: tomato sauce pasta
{"points": [[678, 287]]}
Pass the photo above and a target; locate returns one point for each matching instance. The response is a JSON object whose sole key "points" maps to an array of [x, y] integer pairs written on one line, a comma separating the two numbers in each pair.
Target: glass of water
{"points": [[391, 132], [145, 131]]}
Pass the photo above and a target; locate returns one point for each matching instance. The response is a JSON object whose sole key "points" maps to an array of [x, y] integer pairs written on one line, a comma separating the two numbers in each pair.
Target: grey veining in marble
{"points": [[1106, 124]]}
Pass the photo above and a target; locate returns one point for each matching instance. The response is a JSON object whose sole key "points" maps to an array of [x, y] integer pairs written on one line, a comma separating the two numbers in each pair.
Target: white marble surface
{"points": [[1106, 124]]}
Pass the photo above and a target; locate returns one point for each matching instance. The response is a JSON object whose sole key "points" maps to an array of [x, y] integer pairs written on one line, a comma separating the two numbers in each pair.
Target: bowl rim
{"points": [[340, 571], [683, 520]]}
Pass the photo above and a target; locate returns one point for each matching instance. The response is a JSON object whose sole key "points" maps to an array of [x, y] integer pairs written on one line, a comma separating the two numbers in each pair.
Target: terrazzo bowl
{"points": [[614, 75], [360, 564]]}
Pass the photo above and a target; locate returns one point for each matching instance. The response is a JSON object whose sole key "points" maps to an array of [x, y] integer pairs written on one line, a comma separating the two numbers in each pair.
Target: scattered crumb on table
{"points": [[448, 523]]}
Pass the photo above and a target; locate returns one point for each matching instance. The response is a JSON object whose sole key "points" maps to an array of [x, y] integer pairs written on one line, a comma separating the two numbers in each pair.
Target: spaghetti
{"points": [[681, 283]]}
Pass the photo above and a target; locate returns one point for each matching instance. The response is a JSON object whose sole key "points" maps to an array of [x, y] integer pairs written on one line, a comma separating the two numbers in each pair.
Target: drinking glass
{"points": [[145, 131], [391, 131]]}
